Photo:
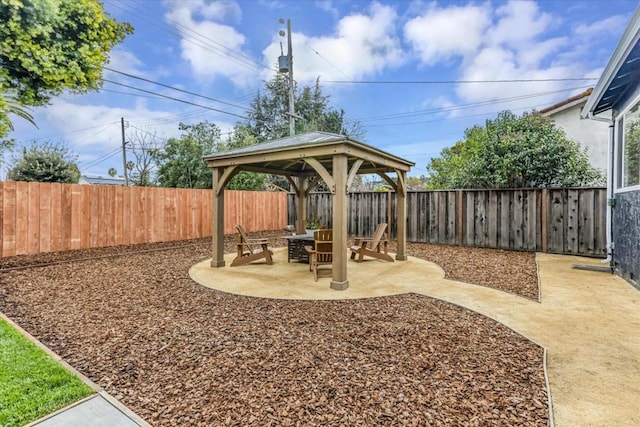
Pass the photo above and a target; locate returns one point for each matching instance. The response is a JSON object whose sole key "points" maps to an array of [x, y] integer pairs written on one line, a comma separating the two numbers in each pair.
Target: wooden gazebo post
{"points": [[401, 216], [217, 243], [340, 173]]}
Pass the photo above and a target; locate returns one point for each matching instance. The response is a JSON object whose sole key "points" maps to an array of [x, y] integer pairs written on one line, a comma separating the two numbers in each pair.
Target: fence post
{"points": [[389, 212], [544, 208], [460, 218]]}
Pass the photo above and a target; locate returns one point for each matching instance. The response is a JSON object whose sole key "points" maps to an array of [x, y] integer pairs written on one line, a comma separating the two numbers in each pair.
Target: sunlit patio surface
{"points": [[293, 280]]}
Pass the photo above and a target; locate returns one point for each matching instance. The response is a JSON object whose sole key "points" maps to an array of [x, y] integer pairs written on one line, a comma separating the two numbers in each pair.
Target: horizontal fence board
{"points": [[503, 218], [44, 217]]}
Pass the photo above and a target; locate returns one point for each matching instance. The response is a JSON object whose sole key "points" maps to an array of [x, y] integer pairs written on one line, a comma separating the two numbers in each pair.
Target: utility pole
{"points": [[285, 65], [292, 119], [124, 154]]}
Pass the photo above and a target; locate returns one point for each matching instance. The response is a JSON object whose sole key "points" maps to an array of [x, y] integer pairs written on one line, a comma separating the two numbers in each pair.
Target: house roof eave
{"points": [[627, 42]]}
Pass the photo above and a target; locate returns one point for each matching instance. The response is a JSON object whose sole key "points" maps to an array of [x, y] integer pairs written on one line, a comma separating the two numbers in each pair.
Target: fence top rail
{"points": [[465, 189]]}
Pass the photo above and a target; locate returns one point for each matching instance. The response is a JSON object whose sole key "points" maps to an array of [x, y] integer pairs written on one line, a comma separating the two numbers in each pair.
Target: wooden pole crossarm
{"points": [[228, 173], [323, 172], [353, 172]]}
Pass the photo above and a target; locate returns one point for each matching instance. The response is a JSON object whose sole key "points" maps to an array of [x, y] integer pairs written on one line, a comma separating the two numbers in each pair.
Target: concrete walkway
{"points": [[589, 322]]}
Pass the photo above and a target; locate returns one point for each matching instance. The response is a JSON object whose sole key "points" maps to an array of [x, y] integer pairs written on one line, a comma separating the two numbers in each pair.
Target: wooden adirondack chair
{"points": [[323, 252], [375, 247], [250, 250]]}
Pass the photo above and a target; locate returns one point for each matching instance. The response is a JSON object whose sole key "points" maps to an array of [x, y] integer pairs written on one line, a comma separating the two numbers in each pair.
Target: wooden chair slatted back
{"points": [[323, 240], [243, 236], [379, 233]]}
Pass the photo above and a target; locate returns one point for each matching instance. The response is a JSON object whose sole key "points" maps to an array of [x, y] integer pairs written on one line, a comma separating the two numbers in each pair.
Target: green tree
{"points": [[243, 180], [47, 46], [269, 113], [513, 152], [45, 163], [9, 104], [268, 117], [179, 162]]}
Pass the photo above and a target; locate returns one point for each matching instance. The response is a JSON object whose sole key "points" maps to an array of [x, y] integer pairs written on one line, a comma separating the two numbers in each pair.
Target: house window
{"points": [[629, 153]]}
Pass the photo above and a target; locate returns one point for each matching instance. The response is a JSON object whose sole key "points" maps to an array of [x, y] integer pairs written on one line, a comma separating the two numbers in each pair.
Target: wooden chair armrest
{"points": [[251, 244], [254, 241], [309, 250], [371, 240]]}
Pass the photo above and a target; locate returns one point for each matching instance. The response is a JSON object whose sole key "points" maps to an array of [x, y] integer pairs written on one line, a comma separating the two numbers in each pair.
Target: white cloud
{"points": [[499, 63], [215, 10], [518, 22], [327, 6], [441, 33], [610, 25], [123, 60], [531, 55], [212, 49], [507, 43], [363, 44]]}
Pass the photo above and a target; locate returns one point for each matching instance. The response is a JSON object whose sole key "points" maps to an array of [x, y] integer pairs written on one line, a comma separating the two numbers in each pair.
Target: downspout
{"points": [[610, 199]]}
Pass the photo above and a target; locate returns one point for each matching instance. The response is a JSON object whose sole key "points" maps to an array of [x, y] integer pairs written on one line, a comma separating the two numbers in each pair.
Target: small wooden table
{"points": [[295, 247]]}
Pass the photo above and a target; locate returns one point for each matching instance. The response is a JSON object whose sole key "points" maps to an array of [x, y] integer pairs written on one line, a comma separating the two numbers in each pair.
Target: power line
{"points": [[127, 93], [70, 132], [174, 88], [99, 160], [175, 99], [327, 61], [224, 51], [458, 81], [173, 117], [463, 106]]}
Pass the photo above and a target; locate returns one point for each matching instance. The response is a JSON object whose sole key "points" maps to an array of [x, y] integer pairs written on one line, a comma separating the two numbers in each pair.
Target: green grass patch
{"points": [[32, 384]]}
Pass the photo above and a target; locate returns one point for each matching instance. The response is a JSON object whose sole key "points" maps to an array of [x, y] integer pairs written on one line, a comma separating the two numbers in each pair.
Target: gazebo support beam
{"points": [[324, 173], [217, 239], [353, 172], [340, 171], [298, 185], [401, 212]]}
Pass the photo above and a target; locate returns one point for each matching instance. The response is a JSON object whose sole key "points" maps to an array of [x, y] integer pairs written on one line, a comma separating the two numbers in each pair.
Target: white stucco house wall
{"points": [[590, 134]]}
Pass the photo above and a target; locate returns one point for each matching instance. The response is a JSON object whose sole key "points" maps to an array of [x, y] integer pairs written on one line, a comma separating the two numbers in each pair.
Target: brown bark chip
{"points": [[180, 354]]}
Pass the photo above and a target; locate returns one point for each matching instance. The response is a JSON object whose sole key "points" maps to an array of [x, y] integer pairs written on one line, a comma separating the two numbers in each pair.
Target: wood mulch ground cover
{"points": [[180, 354]]}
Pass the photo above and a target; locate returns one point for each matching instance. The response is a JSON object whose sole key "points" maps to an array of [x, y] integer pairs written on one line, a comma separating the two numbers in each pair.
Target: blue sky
{"points": [[225, 50]]}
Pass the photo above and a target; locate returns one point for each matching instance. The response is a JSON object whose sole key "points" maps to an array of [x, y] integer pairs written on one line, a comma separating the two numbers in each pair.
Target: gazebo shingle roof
{"points": [[285, 156]]}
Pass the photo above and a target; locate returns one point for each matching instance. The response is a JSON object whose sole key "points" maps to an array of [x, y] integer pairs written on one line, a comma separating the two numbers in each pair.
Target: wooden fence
{"points": [[42, 217], [566, 221]]}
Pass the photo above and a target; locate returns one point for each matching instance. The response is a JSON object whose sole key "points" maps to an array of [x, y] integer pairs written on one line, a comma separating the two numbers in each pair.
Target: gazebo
{"points": [[305, 159]]}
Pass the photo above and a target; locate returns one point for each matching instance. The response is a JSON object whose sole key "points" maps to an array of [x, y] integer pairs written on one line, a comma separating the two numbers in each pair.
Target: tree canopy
{"points": [[46, 162], [269, 113], [179, 163], [513, 151], [47, 46]]}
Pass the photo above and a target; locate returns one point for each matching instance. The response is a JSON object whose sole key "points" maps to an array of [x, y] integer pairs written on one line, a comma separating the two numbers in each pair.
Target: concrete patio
{"points": [[587, 321]]}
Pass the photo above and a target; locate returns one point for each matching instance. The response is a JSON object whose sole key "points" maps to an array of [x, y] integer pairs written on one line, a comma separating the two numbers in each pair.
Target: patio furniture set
{"points": [[315, 249]]}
